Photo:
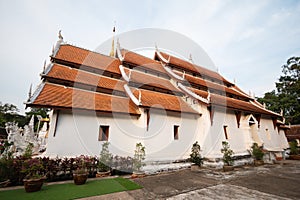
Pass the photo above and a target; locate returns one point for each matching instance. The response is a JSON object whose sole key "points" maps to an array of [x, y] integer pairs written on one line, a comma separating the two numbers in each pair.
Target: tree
{"points": [[287, 96], [9, 113], [195, 156], [227, 154]]}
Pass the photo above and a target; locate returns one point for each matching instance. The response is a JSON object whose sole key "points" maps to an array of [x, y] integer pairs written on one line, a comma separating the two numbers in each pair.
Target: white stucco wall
{"points": [[77, 134]]}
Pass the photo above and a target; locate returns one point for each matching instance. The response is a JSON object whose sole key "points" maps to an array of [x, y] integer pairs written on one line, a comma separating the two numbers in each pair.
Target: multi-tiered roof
{"points": [[81, 79]]}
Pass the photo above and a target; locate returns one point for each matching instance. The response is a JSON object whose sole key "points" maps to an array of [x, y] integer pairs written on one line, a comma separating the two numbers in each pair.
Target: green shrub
{"points": [[294, 147], [227, 153], [105, 159], [139, 156], [195, 156], [6, 167], [257, 152]]}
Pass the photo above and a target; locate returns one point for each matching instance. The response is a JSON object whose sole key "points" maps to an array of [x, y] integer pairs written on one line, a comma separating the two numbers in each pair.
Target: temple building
{"points": [[167, 103]]}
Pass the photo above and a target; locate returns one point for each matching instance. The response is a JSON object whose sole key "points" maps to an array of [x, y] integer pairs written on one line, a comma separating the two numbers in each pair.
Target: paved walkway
{"points": [[279, 181]]}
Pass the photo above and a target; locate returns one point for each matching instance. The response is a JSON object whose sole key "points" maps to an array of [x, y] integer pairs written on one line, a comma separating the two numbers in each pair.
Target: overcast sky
{"points": [[248, 41]]}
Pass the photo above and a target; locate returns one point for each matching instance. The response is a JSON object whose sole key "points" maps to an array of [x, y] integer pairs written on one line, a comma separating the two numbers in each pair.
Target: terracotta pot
{"points": [[103, 174], [294, 157], [138, 175], [195, 167], [80, 179], [5, 183], [227, 168], [33, 185], [258, 162]]}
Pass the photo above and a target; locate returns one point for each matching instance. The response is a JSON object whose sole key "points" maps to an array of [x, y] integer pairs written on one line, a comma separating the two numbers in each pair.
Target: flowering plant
{"points": [[82, 163], [33, 168]]}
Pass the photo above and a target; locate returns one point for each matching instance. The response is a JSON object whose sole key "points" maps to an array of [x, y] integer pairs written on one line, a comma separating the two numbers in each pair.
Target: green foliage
{"points": [[6, 167], [195, 156], [294, 147], [9, 113], [257, 152], [28, 151], [38, 111], [139, 156], [33, 168], [227, 153], [287, 96], [105, 159], [122, 165]]}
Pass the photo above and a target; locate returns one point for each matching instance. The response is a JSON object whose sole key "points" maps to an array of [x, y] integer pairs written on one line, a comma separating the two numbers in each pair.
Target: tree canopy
{"points": [[286, 97], [9, 113]]}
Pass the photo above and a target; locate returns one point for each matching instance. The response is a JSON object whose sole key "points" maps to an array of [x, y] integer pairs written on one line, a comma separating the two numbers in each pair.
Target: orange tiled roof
{"points": [[165, 101], [211, 85], [85, 57], [56, 96], [140, 60], [201, 93], [77, 76], [148, 79], [193, 68], [237, 104]]}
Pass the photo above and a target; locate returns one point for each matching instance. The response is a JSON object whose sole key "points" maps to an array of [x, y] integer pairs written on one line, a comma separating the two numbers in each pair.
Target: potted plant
{"points": [[80, 175], [105, 161], [34, 178], [257, 154], [195, 157], [294, 151], [227, 157], [139, 156]]}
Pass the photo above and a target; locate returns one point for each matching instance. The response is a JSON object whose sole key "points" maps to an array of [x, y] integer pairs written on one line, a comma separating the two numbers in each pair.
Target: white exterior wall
{"points": [[77, 134], [272, 139], [239, 139]]}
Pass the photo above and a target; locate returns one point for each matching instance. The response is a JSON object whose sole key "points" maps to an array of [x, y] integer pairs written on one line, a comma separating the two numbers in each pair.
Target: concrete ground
{"points": [[277, 181]]}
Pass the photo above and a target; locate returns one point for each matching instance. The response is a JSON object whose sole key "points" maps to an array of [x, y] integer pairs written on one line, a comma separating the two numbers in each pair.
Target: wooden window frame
{"points": [[176, 132], [103, 133], [225, 132]]}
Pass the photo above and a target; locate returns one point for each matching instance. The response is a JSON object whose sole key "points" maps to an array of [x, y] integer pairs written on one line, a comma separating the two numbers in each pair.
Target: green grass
{"points": [[72, 191]]}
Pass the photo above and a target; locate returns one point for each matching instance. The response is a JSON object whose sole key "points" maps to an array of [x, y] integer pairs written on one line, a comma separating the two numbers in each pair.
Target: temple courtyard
{"points": [[266, 182], [277, 181]]}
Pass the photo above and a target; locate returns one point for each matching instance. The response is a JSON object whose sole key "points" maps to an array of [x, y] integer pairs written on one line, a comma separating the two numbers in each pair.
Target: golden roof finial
{"points": [[112, 51]]}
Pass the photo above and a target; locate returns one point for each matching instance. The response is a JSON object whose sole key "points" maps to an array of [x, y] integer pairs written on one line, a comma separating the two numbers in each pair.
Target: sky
{"points": [[248, 41]]}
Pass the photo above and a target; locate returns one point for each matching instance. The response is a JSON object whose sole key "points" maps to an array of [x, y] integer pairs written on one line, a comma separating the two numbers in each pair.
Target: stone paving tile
{"points": [[226, 192]]}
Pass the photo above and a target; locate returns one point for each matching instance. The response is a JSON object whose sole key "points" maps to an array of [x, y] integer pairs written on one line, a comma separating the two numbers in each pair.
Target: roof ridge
{"points": [[191, 63], [270, 111], [126, 50], [89, 91], [196, 66], [92, 51]]}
